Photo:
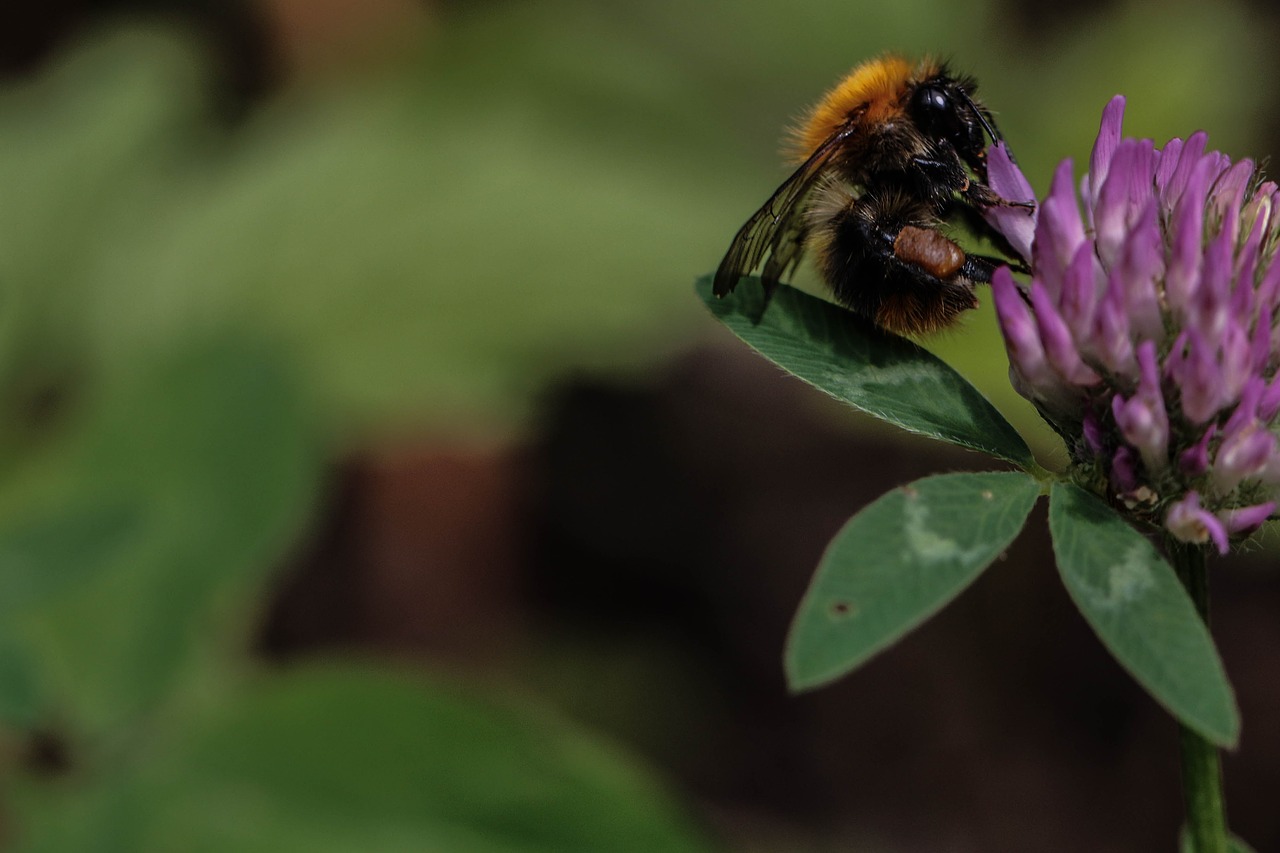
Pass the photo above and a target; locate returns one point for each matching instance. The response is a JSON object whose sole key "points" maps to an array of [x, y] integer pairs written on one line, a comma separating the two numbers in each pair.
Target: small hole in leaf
{"points": [[841, 610]]}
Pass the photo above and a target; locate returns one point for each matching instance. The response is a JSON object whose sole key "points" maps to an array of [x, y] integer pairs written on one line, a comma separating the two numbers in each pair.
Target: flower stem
{"points": [[1201, 767]]}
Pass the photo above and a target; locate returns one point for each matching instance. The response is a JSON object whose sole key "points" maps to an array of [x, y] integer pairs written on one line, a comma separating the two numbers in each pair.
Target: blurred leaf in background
{"points": [[533, 194], [210, 460], [337, 759], [429, 254], [207, 314], [130, 622]]}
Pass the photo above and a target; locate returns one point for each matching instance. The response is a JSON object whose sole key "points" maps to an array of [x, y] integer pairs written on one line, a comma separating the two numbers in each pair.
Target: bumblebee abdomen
{"points": [[882, 259]]}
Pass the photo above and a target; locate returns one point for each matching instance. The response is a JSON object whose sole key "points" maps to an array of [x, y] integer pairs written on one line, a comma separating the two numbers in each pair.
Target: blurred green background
{"points": [[371, 478]]}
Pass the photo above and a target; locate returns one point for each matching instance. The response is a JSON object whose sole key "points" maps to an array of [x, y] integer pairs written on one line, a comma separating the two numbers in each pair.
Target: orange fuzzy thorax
{"points": [[878, 83]]}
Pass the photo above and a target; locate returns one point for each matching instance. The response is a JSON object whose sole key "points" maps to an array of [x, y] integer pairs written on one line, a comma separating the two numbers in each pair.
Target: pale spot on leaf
{"points": [[1127, 581], [925, 544]]}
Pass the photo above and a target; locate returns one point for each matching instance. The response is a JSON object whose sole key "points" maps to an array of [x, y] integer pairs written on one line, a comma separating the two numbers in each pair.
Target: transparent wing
{"points": [[778, 229]]}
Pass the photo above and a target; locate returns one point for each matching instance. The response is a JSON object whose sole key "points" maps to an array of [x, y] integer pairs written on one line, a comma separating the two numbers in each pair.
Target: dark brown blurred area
{"points": [[255, 45], [683, 519], [245, 62]]}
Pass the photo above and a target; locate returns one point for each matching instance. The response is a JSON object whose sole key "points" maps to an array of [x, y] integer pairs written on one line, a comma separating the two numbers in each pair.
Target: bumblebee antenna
{"points": [[982, 117]]}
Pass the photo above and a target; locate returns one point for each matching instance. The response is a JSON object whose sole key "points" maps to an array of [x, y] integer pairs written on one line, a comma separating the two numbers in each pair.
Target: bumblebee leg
{"points": [[971, 219], [938, 168], [980, 194], [980, 268], [938, 178]]}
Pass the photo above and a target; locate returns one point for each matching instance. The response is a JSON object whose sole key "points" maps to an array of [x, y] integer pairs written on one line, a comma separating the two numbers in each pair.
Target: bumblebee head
{"points": [[944, 110]]}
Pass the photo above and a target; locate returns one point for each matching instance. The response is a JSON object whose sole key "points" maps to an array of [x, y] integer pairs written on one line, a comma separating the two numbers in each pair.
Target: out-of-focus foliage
{"points": [[345, 759], [534, 193], [207, 462], [140, 540], [191, 317], [426, 251]]}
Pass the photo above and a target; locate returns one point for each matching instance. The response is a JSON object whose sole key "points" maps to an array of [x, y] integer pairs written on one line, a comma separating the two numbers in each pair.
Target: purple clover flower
{"points": [[1148, 337]]}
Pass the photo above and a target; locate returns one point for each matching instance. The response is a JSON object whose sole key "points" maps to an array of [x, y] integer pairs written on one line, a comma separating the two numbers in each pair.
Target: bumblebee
{"points": [[891, 154]]}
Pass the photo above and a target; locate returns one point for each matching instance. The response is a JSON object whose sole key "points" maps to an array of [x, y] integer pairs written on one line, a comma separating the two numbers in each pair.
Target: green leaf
{"points": [[22, 694], [215, 449], [1139, 609], [53, 549], [344, 760], [869, 368], [354, 219], [897, 562]]}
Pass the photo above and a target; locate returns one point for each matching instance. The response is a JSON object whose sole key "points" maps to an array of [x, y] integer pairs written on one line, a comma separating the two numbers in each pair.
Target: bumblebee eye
{"points": [[935, 111]]}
